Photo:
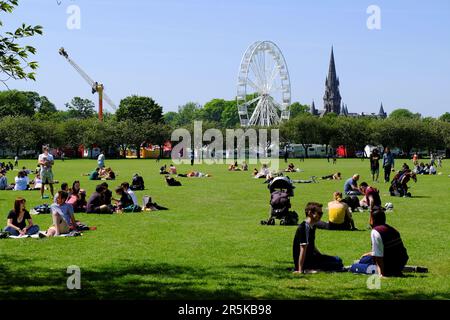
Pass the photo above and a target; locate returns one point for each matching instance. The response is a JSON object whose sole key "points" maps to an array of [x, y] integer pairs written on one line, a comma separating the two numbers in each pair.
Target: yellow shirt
{"points": [[336, 212]]}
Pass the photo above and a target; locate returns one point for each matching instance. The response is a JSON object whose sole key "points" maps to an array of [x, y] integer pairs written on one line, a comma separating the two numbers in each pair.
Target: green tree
{"points": [[445, 117], [404, 114], [171, 118], [17, 133], [297, 109], [188, 113], [46, 106], [139, 109], [15, 103], [13, 57], [303, 129], [230, 116], [80, 108]]}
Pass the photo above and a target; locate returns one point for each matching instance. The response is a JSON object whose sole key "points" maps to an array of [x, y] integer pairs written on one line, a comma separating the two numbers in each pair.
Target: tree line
{"points": [[28, 120]]}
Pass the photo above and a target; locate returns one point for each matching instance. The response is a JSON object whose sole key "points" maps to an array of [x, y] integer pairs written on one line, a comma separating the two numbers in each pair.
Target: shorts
{"points": [[63, 226], [375, 170], [46, 176]]}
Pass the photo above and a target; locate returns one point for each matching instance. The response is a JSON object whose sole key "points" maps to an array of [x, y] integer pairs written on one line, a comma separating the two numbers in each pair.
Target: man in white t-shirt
{"points": [[101, 160], [46, 162], [126, 188]]}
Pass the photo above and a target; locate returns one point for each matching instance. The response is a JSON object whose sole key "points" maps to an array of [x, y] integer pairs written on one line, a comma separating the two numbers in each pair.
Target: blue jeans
{"points": [[32, 230]]}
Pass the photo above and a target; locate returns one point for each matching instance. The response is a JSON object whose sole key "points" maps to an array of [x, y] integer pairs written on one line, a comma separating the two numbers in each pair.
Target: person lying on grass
{"points": [[339, 215], [388, 252], [305, 253], [336, 176], [62, 215], [16, 224]]}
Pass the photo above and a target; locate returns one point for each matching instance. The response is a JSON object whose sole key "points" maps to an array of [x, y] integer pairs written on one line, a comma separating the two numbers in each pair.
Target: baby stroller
{"points": [[281, 189]]}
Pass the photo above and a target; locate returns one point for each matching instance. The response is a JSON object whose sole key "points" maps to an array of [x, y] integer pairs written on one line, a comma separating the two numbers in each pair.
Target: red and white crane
{"points": [[95, 86]]}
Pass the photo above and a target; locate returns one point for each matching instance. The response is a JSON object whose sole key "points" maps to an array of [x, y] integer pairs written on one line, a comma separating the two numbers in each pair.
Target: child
{"points": [[305, 254], [388, 252]]}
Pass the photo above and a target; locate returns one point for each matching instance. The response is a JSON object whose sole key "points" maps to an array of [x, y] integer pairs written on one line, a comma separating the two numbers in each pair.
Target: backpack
{"points": [[42, 209]]}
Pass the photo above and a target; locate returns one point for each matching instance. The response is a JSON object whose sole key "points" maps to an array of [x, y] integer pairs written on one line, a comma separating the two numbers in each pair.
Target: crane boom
{"points": [[95, 86]]}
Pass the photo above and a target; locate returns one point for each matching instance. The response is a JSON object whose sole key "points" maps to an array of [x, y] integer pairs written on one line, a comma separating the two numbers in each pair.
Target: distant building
{"points": [[332, 100], [332, 97]]}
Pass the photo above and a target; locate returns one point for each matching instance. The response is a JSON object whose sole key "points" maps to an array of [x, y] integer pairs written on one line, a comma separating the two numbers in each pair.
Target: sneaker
{"points": [[42, 235], [44, 197]]}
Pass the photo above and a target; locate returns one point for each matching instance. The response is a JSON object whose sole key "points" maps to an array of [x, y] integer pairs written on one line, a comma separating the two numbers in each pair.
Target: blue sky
{"points": [[178, 51]]}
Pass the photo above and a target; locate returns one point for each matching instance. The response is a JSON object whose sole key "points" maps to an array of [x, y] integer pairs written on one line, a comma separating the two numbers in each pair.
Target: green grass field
{"points": [[210, 244]]}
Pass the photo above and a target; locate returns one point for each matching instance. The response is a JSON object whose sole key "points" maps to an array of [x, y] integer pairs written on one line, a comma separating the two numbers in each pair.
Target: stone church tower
{"points": [[332, 97]]}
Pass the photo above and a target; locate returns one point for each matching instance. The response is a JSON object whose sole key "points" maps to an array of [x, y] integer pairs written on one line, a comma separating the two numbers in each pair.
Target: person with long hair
{"points": [[18, 218]]}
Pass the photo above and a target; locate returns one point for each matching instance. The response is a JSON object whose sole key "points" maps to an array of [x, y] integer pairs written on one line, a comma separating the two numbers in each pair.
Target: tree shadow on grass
{"points": [[126, 280]]}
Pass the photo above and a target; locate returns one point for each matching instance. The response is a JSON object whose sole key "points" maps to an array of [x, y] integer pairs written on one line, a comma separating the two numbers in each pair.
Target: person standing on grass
{"points": [[101, 160], [388, 164], [46, 162], [375, 164], [388, 252], [305, 253], [62, 216], [3, 180], [16, 224], [16, 161]]}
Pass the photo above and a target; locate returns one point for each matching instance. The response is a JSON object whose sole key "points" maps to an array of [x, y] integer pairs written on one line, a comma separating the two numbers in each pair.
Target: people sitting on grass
{"points": [[96, 202], [255, 172], [137, 183], [339, 215], [62, 216], [399, 185], [305, 253], [36, 182], [172, 169], [371, 197], [234, 167], [263, 172], [21, 181], [388, 254], [77, 197], [108, 174], [126, 188], [171, 182], [64, 187], [351, 186], [335, 176], [290, 168], [124, 201], [3, 180], [163, 170], [18, 218], [95, 175], [107, 194]]}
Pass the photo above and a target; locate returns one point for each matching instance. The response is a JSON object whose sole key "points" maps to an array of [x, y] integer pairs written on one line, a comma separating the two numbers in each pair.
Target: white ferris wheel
{"points": [[264, 86]]}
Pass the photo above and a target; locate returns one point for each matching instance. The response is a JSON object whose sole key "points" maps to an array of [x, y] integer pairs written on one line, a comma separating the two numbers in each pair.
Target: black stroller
{"points": [[281, 189]]}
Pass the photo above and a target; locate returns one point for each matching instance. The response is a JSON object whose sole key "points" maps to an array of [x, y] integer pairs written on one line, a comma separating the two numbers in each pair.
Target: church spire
{"points": [[332, 97], [381, 113], [313, 109]]}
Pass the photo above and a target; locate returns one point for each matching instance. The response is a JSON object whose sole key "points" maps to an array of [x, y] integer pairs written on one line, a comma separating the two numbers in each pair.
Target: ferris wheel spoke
{"points": [[253, 85], [257, 74]]}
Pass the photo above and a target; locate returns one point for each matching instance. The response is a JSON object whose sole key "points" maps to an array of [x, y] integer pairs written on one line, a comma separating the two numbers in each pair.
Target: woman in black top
{"points": [[16, 224]]}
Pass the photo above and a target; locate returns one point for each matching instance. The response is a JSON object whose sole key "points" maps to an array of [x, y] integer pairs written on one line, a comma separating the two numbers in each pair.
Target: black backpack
{"points": [[42, 209]]}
